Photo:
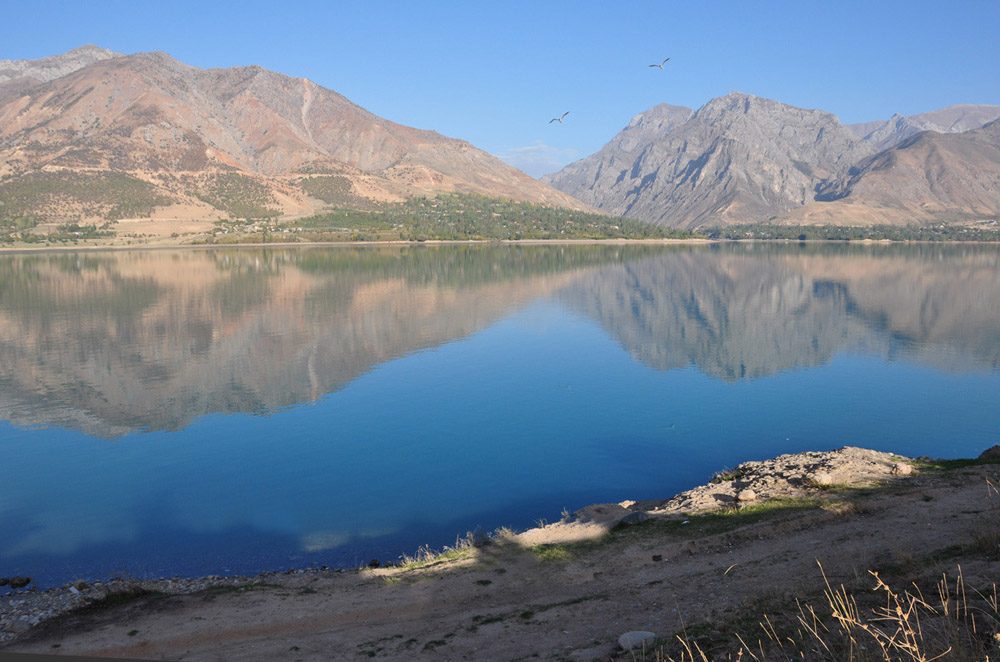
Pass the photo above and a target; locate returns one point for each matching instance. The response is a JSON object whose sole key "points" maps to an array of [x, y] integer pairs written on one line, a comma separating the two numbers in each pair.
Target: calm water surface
{"points": [[232, 411]]}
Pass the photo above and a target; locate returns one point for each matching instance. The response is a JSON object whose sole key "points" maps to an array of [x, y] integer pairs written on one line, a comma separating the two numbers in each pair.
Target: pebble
{"points": [[22, 610]]}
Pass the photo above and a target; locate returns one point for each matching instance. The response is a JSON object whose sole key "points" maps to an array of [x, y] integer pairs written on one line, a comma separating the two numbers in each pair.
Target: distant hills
{"points": [[92, 134], [743, 159]]}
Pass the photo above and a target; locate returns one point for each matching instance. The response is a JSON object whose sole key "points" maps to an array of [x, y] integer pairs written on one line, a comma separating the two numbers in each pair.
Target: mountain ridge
{"points": [[179, 128], [744, 159]]}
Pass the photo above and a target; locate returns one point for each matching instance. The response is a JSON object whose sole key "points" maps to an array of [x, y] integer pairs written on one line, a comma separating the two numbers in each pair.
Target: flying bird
{"points": [[559, 119], [660, 65]]}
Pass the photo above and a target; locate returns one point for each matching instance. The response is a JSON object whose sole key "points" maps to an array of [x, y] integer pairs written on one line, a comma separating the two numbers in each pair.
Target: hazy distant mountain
{"points": [[929, 177], [593, 178], [953, 119], [738, 157], [18, 75], [173, 134], [743, 159]]}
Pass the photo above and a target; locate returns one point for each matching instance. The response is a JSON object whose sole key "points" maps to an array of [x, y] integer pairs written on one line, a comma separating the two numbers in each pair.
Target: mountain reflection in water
{"points": [[115, 342], [410, 394]]}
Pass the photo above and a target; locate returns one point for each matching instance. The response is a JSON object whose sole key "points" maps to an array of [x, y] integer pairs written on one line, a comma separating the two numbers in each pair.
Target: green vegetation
{"points": [[237, 195], [948, 465], [472, 217], [332, 190], [38, 196], [935, 232]]}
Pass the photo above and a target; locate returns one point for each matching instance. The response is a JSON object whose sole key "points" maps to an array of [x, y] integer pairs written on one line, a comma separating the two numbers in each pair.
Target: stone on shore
{"points": [[19, 582], [991, 453], [636, 639]]}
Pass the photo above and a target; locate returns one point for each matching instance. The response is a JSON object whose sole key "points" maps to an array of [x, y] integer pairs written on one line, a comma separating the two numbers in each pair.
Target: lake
{"points": [[192, 412]]}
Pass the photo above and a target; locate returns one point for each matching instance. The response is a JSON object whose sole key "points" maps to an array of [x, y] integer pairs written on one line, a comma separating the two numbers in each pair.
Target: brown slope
{"points": [[148, 114], [929, 177]]}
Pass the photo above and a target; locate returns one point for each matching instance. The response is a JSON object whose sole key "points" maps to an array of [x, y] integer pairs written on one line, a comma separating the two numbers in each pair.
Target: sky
{"points": [[495, 73]]}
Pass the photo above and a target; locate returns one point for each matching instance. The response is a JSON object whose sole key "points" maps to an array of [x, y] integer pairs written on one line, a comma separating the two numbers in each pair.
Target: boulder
{"points": [[992, 453], [636, 639], [822, 478], [746, 495], [19, 582], [901, 469]]}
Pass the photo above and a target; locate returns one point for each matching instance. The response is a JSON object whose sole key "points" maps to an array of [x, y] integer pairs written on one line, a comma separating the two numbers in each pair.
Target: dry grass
{"points": [[947, 620], [955, 623]]}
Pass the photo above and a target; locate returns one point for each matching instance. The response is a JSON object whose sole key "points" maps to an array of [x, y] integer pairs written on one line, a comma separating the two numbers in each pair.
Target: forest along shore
{"points": [[746, 554]]}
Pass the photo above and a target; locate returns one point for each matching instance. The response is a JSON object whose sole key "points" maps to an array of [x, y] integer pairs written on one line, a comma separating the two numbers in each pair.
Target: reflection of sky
{"points": [[541, 405]]}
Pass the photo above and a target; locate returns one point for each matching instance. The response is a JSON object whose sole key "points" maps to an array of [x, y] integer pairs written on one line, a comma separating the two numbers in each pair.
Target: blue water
{"points": [[569, 378]]}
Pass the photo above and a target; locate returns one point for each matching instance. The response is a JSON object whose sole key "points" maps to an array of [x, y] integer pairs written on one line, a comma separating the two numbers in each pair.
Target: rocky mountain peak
{"points": [[18, 75], [738, 155]]}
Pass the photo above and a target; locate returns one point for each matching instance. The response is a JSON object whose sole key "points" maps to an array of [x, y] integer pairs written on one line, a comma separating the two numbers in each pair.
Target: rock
{"points": [[636, 639], [80, 584], [992, 453], [822, 478], [901, 469], [633, 518], [19, 626], [19, 582], [4, 581], [746, 495], [373, 563], [657, 557]]}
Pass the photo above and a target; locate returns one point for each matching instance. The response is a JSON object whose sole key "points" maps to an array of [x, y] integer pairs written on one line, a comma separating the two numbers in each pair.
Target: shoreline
{"points": [[321, 244], [33, 249], [606, 530]]}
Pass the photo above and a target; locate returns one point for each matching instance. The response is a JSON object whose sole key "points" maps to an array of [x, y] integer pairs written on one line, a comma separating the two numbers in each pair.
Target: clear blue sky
{"points": [[494, 73]]}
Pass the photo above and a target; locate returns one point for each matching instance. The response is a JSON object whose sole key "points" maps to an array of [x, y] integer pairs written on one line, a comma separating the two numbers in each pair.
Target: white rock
{"points": [[636, 639], [901, 469], [746, 495], [822, 478]]}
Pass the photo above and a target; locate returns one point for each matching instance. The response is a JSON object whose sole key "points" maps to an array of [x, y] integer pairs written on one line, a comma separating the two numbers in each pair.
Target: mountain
{"points": [[158, 133], [930, 177], [738, 157], [744, 159], [19, 75], [587, 180], [953, 119]]}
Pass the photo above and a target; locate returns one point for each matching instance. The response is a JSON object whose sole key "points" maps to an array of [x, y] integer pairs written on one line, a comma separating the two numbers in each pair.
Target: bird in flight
{"points": [[660, 65], [559, 119]]}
